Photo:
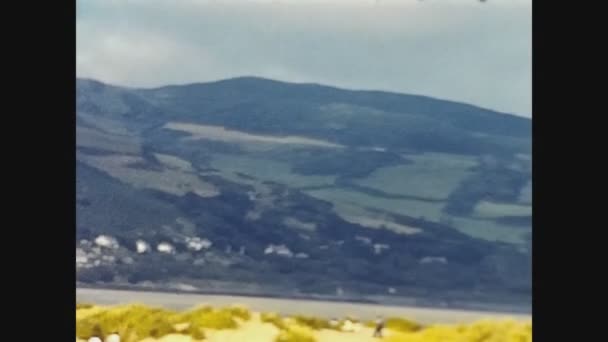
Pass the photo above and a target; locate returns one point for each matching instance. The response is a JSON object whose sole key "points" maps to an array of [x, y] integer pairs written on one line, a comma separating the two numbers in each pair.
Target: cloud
{"points": [[454, 49]]}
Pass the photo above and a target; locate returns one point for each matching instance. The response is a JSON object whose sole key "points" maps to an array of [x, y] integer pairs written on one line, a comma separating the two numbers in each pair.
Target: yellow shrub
{"points": [[314, 323], [80, 306], [482, 331], [402, 325], [273, 318], [188, 315], [213, 319], [218, 320], [136, 322], [296, 333], [195, 332], [132, 323], [239, 312]]}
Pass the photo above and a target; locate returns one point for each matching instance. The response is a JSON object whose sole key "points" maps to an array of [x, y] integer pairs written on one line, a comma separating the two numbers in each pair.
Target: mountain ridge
{"points": [[303, 84]]}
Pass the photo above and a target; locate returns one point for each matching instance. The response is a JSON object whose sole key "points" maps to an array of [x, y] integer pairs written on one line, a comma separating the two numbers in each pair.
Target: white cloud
{"points": [[454, 49]]}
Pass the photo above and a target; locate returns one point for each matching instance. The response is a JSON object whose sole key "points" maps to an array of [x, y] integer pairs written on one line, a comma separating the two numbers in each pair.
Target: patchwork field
{"points": [[429, 177]]}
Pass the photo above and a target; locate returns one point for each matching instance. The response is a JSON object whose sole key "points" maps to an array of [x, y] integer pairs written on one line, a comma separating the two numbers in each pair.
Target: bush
{"points": [[195, 332], [402, 325], [186, 328], [216, 320], [296, 333], [275, 319], [132, 323], [186, 317], [157, 327], [90, 330], [314, 323], [136, 322], [503, 331], [95, 325], [209, 318], [239, 312], [80, 306]]}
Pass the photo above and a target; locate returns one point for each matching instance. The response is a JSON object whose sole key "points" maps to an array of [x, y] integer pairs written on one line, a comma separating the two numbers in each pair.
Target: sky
{"points": [[460, 50]]}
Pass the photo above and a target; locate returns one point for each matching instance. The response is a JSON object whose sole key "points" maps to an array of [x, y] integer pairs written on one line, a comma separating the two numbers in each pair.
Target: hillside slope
{"points": [[302, 187]]}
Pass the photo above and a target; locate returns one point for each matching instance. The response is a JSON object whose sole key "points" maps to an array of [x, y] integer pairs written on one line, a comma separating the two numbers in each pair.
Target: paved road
{"points": [[287, 306]]}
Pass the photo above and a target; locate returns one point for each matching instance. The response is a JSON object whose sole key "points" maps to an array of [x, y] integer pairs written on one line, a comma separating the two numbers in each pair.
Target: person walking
{"points": [[379, 326]]}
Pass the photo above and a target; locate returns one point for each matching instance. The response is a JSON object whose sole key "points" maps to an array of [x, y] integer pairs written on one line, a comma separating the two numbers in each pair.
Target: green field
{"points": [[267, 169], [428, 210], [92, 138], [485, 209], [489, 230], [167, 180], [431, 176]]}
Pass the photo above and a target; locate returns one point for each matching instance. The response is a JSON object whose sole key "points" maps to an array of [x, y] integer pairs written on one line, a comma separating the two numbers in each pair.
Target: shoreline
{"points": [[309, 306], [422, 303]]}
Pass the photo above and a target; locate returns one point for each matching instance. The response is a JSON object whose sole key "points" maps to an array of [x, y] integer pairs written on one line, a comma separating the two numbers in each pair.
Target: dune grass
{"points": [[296, 333], [498, 331], [135, 323], [274, 319]]}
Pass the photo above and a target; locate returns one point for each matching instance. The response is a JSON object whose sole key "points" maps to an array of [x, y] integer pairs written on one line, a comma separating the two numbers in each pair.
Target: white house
{"points": [[197, 244], [81, 256], [165, 247], [281, 250], [106, 241], [142, 246]]}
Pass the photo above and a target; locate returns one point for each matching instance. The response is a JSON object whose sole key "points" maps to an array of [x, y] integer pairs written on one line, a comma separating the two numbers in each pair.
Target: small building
{"points": [[106, 241], [142, 246], [165, 247]]}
